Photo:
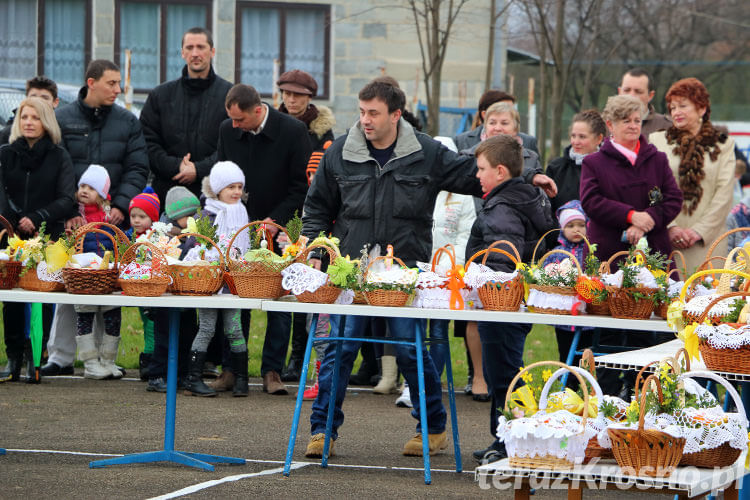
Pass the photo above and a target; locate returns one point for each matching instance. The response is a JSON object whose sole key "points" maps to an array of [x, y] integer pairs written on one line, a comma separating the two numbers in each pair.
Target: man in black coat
{"points": [[96, 131], [378, 184], [181, 118], [272, 150]]}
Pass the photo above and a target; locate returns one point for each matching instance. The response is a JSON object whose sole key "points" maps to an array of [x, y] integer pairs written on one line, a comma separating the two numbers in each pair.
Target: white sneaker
{"points": [[94, 369], [404, 400]]}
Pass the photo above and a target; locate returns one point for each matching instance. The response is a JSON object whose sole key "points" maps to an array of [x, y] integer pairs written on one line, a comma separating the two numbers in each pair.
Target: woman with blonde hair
{"points": [[36, 187], [702, 161]]}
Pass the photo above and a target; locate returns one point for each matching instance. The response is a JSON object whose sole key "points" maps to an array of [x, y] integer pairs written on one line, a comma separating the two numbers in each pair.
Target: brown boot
{"points": [[224, 382]]}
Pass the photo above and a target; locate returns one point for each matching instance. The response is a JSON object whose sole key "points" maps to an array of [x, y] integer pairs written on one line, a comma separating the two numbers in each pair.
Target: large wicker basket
{"points": [[198, 279], [159, 279], [724, 359], [558, 290], [30, 281], [326, 294], [723, 455], [642, 451], [387, 298], [505, 296], [94, 281], [9, 269], [256, 280], [622, 302]]}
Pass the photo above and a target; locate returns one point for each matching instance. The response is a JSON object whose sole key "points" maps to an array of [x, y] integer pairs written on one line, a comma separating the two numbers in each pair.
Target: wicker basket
{"points": [[94, 281], [9, 269], [255, 280], [558, 290], [550, 461], [724, 359], [600, 309], [622, 303], [159, 280], [646, 451], [387, 298], [723, 455], [199, 279], [30, 281], [500, 296], [326, 294]]}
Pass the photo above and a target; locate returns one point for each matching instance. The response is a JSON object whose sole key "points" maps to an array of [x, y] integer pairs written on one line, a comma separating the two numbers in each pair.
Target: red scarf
{"points": [[93, 213]]}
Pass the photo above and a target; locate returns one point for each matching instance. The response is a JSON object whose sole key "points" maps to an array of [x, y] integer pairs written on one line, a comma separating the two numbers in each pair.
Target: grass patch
{"points": [[540, 345]]}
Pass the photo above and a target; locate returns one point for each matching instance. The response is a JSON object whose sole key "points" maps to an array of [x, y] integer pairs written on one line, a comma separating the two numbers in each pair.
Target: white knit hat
{"points": [[224, 173], [97, 177]]}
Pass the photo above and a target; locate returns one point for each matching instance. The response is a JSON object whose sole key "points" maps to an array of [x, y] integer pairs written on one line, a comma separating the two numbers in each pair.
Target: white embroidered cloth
{"points": [[44, 275], [546, 300], [478, 274], [299, 278]]}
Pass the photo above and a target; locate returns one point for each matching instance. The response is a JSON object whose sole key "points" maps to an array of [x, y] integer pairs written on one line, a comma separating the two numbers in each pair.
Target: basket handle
{"points": [[682, 351], [449, 250], [697, 275], [639, 378], [486, 252], [588, 377], [222, 262], [8, 228], [718, 299], [121, 236], [81, 233], [333, 254], [720, 380], [508, 244], [717, 240], [587, 361], [564, 252], [251, 224], [549, 363], [682, 258], [156, 255], [646, 386], [536, 247], [383, 257]]}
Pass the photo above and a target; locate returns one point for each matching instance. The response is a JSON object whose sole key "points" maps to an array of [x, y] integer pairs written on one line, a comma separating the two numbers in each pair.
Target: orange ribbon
{"points": [[455, 284]]}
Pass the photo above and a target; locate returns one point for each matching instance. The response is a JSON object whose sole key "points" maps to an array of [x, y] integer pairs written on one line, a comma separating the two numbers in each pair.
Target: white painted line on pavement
{"points": [[209, 484], [62, 452]]}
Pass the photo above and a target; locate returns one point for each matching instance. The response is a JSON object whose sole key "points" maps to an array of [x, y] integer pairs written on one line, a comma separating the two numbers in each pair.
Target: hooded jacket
{"points": [[362, 203], [110, 136], [37, 183], [513, 211], [183, 116]]}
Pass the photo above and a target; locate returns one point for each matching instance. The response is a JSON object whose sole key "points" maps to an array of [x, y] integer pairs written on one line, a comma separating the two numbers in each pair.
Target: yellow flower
{"points": [[14, 243], [191, 226], [527, 377], [546, 374]]}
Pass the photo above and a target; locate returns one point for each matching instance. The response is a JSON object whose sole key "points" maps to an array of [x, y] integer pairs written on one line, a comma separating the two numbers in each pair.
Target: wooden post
{"points": [[276, 74], [531, 128], [128, 90]]}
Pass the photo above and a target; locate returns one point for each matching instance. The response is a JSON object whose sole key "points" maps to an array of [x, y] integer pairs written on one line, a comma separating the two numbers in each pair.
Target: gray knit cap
{"points": [[180, 202]]}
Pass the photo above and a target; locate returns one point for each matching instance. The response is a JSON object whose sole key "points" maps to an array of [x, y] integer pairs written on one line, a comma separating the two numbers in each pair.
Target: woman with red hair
{"points": [[702, 161]]}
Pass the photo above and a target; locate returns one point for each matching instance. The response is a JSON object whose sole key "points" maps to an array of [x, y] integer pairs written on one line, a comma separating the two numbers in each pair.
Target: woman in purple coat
{"points": [[627, 188]]}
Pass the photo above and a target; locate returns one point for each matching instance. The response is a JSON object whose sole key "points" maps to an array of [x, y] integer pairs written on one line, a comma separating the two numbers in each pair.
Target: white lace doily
{"points": [[300, 278], [643, 278], [394, 276], [43, 275], [724, 336], [559, 434], [439, 298], [428, 279], [544, 300], [477, 275], [697, 305]]}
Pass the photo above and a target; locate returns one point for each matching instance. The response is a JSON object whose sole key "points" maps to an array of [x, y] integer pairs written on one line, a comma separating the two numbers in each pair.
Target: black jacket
{"points": [[109, 136], [363, 203], [274, 163], [37, 183], [180, 117], [513, 211], [567, 176]]}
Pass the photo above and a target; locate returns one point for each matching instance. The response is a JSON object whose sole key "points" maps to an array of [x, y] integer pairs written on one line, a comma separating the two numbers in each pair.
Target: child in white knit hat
{"points": [[223, 189]]}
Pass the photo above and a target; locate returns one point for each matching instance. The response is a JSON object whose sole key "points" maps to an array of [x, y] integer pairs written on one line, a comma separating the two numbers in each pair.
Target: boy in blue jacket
{"points": [[519, 213]]}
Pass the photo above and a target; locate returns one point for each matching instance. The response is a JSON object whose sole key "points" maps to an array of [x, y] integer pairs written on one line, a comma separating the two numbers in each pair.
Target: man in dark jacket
{"points": [[637, 82], [378, 184], [272, 149], [519, 213], [38, 86], [95, 131], [181, 118]]}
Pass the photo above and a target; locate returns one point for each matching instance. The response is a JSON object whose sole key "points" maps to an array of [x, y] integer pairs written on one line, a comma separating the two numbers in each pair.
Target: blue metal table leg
{"points": [[168, 454], [744, 490], [334, 391], [454, 418], [571, 354], [300, 392], [2, 451], [422, 404]]}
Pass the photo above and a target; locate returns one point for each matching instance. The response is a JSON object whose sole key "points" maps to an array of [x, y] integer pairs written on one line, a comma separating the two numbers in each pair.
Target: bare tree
{"points": [[433, 35], [495, 15]]}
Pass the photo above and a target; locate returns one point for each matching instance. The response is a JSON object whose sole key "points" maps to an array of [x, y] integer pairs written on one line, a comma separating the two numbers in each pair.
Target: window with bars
{"points": [[297, 35], [152, 31], [49, 37]]}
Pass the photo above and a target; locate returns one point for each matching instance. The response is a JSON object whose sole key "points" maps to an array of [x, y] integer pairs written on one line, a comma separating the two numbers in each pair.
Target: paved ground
{"points": [[53, 430]]}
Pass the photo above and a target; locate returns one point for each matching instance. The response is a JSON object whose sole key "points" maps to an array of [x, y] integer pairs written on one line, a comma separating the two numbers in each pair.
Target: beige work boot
{"points": [[437, 443], [224, 382], [315, 446]]}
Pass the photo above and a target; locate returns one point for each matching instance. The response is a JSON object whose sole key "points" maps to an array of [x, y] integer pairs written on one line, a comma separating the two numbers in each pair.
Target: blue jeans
{"points": [[406, 357], [502, 355], [439, 350]]}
